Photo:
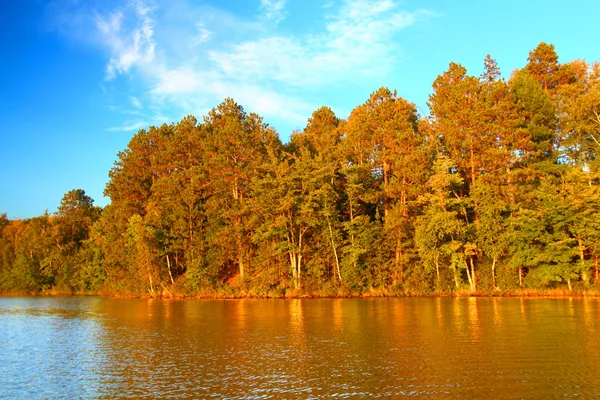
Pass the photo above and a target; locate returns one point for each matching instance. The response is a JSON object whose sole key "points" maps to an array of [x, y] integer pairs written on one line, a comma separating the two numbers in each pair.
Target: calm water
{"points": [[467, 347]]}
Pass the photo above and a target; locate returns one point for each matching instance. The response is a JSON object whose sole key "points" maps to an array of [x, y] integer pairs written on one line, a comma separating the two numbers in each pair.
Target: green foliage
{"points": [[497, 189], [45, 253], [540, 116]]}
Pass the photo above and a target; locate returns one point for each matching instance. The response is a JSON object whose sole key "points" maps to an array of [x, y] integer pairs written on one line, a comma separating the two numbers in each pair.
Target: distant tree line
{"points": [[496, 190]]}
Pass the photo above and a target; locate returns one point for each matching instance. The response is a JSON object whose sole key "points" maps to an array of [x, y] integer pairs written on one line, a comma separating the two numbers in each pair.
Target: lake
{"points": [[300, 348]]}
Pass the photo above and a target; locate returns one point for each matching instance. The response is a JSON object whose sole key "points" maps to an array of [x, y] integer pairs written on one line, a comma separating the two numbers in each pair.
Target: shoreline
{"points": [[522, 294]]}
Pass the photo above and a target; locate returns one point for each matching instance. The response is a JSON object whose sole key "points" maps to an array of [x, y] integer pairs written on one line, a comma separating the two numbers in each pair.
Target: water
{"points": [[330, 348]]}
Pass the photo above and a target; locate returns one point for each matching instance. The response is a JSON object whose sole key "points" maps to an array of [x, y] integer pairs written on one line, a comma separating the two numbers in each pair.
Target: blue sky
{"points": [[80, 77]]}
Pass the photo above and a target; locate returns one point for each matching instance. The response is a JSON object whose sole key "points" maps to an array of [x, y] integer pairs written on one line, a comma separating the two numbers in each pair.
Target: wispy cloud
{"points": [[129, 126], [273, 11], [137, 115], [357, 42], [128, 33], [202, 34], [136, 103], [188, 57]]}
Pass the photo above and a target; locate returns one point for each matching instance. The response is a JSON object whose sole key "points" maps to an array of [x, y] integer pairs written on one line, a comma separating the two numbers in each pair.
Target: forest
{"points": [[496, 191]]}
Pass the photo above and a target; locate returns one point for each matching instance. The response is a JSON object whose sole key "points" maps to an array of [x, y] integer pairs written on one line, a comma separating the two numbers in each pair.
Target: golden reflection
{"points": [[473, 315], [397, 310], [438, 311], [240, 310], [523, 310], [588, 318], [457, 310], [571, 307], [150, 308], [497, 315], [337, 317], [297, 320], [459, 319], [168, 307]]}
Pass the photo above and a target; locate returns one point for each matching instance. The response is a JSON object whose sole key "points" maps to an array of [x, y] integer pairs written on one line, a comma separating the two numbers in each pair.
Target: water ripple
{"points": [[386, 348]]}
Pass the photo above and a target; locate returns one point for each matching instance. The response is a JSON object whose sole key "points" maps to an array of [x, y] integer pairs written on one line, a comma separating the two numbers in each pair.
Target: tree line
{"points": [[497, 190]]}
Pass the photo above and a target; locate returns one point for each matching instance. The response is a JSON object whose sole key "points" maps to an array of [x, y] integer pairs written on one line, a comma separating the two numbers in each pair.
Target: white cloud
{"points": [[357, 41], [182, 87], [128, 33], [188, 57], [181, 81]]}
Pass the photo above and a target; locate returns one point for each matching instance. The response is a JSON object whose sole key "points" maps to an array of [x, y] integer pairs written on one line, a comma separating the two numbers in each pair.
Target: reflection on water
{"points": [[440, 347]]}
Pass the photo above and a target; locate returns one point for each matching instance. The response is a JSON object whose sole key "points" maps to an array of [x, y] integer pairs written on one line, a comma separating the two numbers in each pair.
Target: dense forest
{"points": [[496, 191]]}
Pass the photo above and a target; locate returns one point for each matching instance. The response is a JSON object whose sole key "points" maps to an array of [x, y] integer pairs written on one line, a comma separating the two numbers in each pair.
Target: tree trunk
{"points": [[437, 274], [494, 273], [473, 276], [169, 268], [151, 286], [299, 258], [296, 262], [237, 195], [386, 169], [293, 265], [241, 265], [351, 222], [146, 258], [520, 276], [585, 276], [456, 281], [397, 269], [469, 277], [235, 190], [298, 281], [191, 235], [240, 256], [337, 261]]}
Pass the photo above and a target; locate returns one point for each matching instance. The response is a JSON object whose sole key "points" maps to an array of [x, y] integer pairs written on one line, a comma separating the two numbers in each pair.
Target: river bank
{"points": [[591, 291]]}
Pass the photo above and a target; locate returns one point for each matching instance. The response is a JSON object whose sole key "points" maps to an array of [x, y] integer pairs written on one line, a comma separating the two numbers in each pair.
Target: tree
{"points": [[321, 134], [385, 169], [458, 120], [491, 232], [294, 209], [176, 206], [76, 213], [70, 229], [543, 66], [440, 231], [503, 125], [238, 149], [580, 110], [137, 169], [322, 138], [539, 120], [23, 245], [139, 241]]}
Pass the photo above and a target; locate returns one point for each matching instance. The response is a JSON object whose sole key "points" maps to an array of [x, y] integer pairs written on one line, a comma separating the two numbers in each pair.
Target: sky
{"points": [[78, 78]]}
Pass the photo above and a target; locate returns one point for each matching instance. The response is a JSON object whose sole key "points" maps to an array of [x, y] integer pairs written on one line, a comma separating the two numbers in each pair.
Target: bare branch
{"points": [[597, 120]]}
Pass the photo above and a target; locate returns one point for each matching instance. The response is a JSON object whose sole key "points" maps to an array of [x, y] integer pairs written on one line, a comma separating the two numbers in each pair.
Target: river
{"points": [[299, 348]]}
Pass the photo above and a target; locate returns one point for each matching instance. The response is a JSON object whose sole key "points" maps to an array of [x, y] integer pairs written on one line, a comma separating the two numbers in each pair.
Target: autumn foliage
{"points": [[495, 191]]}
